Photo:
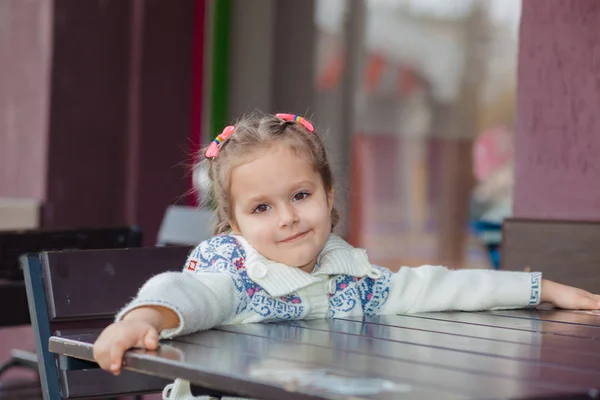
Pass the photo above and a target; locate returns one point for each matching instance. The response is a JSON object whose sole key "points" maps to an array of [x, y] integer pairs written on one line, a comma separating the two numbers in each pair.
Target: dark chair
{"points": [[12, 288], [71, 290], [565, 251], [185, 226]]}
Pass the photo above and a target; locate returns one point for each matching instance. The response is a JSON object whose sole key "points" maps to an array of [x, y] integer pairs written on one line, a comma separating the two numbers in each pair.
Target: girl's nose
{"points": [[287, 215]]}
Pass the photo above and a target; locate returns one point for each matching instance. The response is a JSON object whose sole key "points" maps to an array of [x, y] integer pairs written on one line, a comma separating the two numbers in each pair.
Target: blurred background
{"points": [[104, 102], [430, 124]]}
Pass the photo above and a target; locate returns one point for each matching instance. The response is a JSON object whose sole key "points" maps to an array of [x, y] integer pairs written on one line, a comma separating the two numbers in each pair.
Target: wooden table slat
{"points": [[587, 318], [518, 324], [245, 374], [450, 325]]}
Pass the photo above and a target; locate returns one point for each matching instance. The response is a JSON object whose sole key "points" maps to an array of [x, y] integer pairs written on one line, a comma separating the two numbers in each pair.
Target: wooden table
{"points": [[505, 354]]}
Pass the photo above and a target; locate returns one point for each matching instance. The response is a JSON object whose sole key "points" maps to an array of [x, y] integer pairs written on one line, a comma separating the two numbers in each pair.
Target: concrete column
{"points": [[272, 56], [251, 56]]}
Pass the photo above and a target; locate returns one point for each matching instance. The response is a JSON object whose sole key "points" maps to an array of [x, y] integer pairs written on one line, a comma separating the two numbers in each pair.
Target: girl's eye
{"points": [[300, 196], [261, 208]]}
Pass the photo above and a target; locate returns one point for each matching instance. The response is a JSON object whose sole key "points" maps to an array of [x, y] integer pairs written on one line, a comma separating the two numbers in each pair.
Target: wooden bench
{"points": [[72, 290], [12, 288], [564, 251], [13, 244]]}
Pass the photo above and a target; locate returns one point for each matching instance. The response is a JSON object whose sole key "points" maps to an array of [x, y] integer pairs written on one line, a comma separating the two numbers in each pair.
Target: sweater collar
{"points": [[337, 257]]}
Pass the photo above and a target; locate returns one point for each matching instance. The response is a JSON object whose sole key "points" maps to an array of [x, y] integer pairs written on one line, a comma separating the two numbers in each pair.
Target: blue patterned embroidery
{"points": [[345, 297], [367, 293], [276, 308], [375, 292], [536, 288], [291, 298], [224, 254], [343, 281]]}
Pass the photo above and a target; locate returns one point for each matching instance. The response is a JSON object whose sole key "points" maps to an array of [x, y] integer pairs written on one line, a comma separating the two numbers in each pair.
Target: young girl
{"points": [[275, 257]]}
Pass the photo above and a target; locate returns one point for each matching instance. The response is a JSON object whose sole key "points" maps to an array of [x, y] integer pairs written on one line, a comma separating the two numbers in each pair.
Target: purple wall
{"points": [[25, 51], [558, 127], [25, 27]]}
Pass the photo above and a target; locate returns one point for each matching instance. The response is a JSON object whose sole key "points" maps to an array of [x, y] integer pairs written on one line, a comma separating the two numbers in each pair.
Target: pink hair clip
{"points": [[301, 120], [213, 148]]}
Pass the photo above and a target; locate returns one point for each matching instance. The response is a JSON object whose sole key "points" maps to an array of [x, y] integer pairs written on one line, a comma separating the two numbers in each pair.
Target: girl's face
{"points": [[280, 206]]}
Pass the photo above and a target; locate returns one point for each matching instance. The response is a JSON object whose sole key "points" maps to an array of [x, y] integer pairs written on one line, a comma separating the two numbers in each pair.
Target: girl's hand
{"points": [[139, 328], [119, 337], [569, 297]]}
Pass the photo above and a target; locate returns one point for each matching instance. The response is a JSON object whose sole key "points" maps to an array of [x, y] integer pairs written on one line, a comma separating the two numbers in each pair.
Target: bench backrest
{"points": [[71, 290], [13, 244], [565, 251]]}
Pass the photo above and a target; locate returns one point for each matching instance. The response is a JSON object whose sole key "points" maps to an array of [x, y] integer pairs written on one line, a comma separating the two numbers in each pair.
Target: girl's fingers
{"points": [[116, 356], [151, 340]]}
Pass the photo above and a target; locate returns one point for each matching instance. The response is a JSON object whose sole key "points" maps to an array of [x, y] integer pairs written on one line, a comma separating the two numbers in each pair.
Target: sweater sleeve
{"points": [[434, 288], [202, 295]]}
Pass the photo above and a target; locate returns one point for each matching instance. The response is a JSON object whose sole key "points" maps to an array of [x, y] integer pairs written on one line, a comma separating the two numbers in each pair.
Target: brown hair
{"points": [[259, 132]]}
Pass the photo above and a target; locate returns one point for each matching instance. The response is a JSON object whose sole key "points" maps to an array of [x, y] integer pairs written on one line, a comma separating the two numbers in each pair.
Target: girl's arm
{"points": [[203, 295], [160, 318], [435, 288], [139, 328], [174, 303], [194, 301]]}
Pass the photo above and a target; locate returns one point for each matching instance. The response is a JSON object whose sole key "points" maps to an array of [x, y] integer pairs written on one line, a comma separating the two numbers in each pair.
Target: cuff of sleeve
{"points": [[165, 333], [536, 289]]}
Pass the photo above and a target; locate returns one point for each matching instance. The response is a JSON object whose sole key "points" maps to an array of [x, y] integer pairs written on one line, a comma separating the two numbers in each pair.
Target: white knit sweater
{"points": [[226, 281]]}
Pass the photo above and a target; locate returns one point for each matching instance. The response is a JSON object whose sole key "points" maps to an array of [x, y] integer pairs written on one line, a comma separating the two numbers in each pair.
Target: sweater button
{"points": [[374, 274], [258, 271]]}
